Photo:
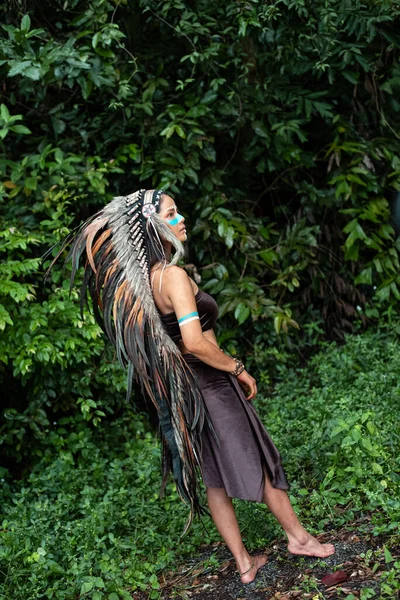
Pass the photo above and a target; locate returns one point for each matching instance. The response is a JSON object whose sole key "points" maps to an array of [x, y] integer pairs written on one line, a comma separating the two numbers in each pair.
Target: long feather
{"points": [[114, 244]]}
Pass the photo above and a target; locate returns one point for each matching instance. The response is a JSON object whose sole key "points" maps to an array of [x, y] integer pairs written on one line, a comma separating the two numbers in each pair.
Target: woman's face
{"points": [[175, 221]]}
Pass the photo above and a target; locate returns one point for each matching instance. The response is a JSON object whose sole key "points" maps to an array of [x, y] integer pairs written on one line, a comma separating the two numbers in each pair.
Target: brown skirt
{"points": [[236, 462]]}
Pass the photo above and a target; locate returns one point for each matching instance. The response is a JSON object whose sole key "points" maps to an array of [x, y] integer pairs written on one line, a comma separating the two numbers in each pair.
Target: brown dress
{"points": [[244, 449]]}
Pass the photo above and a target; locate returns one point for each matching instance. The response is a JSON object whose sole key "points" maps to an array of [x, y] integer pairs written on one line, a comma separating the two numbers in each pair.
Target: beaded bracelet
{"points": [[239, 367]]}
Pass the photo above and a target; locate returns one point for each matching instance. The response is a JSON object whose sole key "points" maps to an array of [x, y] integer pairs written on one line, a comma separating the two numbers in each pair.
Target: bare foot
{"points": [[311, 547], [257, 562]]}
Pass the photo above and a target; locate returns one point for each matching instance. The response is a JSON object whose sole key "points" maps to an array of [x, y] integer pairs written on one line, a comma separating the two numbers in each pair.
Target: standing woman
{"points": [[161, 324]]}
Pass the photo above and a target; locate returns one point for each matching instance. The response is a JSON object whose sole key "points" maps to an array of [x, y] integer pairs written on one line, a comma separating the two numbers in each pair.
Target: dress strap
{"points": [[152, 278]]}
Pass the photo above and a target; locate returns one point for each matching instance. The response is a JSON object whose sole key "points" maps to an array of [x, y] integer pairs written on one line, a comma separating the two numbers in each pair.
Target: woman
{"points": [[161, 324]]}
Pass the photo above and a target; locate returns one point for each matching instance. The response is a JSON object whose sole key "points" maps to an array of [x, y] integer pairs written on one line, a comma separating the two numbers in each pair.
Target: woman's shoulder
{"points": [[177, 276]]}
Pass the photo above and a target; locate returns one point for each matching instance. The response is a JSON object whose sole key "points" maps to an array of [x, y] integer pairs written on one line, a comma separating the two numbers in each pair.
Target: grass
{"points": [[88, 521]]}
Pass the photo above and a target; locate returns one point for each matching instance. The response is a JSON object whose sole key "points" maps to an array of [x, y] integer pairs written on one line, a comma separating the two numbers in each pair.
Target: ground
{"points": [[354, 571]]}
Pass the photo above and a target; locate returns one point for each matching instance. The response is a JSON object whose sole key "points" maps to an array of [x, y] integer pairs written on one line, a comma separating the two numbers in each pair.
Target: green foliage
{"points": [[274, 125], [98, 524], [338, 420], [89, 518]]}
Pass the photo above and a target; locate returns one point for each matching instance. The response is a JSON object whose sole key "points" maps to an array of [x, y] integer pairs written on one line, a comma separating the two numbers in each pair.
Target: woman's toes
{"points": [[330, 548], [311, 547]]}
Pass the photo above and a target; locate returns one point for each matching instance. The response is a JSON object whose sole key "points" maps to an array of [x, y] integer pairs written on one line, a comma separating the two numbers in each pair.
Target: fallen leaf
{"points": [[225, 565], [334, 578]]}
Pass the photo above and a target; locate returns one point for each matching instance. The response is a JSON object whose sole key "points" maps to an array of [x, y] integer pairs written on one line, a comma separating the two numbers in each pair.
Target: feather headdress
{"points": [[116, 243]]}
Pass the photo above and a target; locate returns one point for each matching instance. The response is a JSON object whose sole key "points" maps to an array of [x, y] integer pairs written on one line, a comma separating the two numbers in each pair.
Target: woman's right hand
{"points": [[248, 383]]}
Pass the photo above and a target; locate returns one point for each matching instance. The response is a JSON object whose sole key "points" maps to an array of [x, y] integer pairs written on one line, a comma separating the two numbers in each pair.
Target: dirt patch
{"points": [[212, 575]]}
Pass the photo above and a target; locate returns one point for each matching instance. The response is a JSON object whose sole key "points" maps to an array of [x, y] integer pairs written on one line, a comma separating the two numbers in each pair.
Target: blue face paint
{"points": [[175, 221]]}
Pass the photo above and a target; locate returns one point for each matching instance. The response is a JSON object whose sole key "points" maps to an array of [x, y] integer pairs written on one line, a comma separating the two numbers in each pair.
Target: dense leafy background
{"points": [[89, 519], [276, 128]]}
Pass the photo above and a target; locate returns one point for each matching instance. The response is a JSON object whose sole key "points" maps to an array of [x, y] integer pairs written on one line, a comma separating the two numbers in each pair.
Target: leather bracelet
{"points": [[239, 367]]}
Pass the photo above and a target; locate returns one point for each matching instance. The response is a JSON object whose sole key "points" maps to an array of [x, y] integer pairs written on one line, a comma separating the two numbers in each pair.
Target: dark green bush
{"points": [[89, 519], [274, 125]]}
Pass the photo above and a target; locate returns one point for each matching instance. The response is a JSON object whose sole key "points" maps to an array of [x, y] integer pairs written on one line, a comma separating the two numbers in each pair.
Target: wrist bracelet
{"points": [[239, 367]]}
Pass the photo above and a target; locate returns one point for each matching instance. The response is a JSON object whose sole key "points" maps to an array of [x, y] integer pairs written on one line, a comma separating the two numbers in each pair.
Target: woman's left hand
{"points": [[248, 383]]}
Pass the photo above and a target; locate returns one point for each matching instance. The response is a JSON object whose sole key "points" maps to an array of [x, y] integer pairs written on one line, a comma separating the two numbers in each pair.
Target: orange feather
{"points": [[92, 231]]}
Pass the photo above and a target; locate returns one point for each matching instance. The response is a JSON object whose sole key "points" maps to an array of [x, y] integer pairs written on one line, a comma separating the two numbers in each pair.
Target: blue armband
{"points": [[187, 318]]}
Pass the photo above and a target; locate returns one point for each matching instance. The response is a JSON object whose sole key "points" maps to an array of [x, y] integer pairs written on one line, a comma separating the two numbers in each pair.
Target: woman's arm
{"points": [[180, 293]]}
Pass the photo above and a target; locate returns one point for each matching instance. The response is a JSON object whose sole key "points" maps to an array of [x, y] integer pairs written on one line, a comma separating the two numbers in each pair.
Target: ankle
{"points": [[243, 561], [299, 536]]}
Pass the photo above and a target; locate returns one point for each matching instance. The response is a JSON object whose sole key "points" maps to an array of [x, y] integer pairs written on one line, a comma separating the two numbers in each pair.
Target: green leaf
{"points": [[58, 125], [55, 567], [364, 277], [19, 67], [191, 173], [5, 318], [209, 97], [208, 152], [278, 323], [86, 586], [367, 444], [323, 108], [355, 179], [229, 237], [377, 468], [154, 582], [393, 37], [260, 129], [25, 23], [371, 427], [388, 557], [242, 312], [222, 228], [367, 593], [32, 73], [30, 183], [20, 129], [352, 252], [351, 76], [268, 256], [5, 115], [168, 131], [180, 131]]}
